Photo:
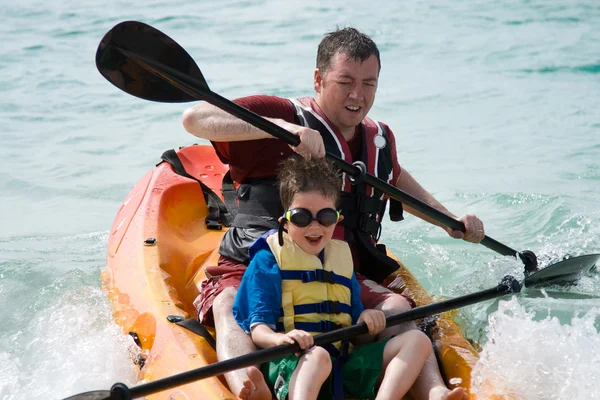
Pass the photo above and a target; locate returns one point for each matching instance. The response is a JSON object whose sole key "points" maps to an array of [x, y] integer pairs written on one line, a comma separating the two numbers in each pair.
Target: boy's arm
{"points": [[263, 336], [356, 306], [258, 298]]}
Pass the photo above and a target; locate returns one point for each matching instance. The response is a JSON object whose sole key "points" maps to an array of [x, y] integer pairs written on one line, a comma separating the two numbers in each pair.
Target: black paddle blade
{"points": [[566, 271], [95, 395], [133, 55]]}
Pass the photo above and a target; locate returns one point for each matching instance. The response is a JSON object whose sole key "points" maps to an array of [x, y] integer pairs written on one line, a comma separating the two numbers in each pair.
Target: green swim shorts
{"points": [[360, 373]]}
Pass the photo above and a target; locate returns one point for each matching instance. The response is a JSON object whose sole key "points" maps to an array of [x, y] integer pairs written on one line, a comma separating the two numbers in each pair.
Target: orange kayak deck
{"points": [[158, 248]]}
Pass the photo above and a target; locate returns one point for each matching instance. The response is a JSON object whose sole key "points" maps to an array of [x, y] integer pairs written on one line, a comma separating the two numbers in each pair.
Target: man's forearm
{"points": [[409, 185], [209, 122]]}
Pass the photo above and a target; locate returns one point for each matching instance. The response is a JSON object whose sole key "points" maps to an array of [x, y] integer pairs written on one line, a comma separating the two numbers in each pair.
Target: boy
{"points": [[302, 283]]}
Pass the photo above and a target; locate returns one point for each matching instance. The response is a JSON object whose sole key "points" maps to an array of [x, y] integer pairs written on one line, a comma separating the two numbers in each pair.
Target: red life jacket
{"points": [[362, 206]]}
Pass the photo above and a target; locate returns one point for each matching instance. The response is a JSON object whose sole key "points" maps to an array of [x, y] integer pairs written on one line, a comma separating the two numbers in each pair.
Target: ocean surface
{"points": [[495, 106]]}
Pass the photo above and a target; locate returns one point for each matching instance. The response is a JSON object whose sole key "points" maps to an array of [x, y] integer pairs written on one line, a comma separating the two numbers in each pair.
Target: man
{"points": [[335, 121]]}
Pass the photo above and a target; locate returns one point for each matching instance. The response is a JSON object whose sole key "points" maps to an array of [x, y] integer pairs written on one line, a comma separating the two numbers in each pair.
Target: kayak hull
{"points": [[158, 249]]}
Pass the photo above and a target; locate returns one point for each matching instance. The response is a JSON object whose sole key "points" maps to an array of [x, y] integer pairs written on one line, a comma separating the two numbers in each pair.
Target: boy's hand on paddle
{"points": [[303, 338], [375, 320]]}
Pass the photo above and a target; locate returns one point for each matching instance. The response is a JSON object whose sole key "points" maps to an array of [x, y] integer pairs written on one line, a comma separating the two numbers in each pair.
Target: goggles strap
{"points": [[281, 229]]}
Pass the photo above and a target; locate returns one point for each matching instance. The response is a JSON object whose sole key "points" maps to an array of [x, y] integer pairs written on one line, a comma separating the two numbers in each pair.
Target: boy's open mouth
{"points": [[313, 239]]}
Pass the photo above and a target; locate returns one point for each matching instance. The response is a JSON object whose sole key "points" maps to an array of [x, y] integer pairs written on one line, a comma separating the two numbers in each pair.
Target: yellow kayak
{"points": [[158, 249]]}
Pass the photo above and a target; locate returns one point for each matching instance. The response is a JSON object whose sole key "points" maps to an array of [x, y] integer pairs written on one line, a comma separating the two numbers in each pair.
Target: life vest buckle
{"points": [[329, 307], [319, 275], [213, 225], [324, 276], [369, 225]]}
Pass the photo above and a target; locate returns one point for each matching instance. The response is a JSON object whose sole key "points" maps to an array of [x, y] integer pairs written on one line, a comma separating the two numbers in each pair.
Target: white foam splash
{"points": [[71, 346], [544, 359]]}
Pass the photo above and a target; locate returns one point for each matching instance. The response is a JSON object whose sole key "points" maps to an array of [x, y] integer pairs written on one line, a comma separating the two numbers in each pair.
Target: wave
{"points": [[578, 69]]}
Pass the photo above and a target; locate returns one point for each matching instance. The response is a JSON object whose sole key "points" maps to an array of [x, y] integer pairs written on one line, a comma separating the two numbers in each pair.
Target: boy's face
{"points": [[314, 237]]}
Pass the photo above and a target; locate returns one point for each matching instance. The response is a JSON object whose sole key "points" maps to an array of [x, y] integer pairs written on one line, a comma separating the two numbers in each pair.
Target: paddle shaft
{"points": [[507, 286], [200, 90]]}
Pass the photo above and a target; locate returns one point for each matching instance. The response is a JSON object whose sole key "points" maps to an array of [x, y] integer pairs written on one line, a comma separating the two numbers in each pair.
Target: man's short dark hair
{"points": [[349, 41], [301, 175]]}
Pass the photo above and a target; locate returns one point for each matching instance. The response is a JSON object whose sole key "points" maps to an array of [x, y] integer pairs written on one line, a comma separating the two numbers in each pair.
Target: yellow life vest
{"points": [[315, 296]]}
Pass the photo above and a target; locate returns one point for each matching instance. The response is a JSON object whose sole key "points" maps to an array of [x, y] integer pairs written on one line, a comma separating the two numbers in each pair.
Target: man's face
{"points": [[346, 91]]}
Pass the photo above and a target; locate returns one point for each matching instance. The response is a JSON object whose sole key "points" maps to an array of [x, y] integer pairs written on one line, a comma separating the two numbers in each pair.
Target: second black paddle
{"points": [[119, 391]]}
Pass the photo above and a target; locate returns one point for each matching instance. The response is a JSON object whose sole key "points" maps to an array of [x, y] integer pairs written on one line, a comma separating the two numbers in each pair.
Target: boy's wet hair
{"points": [[355, 44], [301, 175]]}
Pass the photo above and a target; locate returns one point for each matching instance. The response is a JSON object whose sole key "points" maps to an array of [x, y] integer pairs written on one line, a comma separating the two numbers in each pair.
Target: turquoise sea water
{"points": [[494, 104]]}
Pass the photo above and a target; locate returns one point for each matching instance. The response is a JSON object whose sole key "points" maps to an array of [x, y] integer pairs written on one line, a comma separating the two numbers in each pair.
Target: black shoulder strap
{"points": [[309, 120], [375, 264], [396, 210], [217, 211], [229, 195]]}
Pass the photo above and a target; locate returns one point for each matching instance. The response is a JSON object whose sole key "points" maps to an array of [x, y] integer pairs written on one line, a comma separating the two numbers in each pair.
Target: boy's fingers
{"points": [[381, 321], [291, 338], [309, 341], [301, 339], [377, 323], [301, 342], [307, 344], [370, 323]]}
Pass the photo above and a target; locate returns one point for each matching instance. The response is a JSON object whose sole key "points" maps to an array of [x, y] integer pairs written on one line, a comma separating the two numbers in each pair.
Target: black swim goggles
{"points": [[301, 217]]}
